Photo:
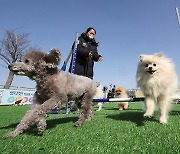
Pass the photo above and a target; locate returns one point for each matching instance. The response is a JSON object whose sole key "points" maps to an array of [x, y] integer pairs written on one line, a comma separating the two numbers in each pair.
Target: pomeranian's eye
{"points": [[154, 65], [146, 65], [26, 61]]}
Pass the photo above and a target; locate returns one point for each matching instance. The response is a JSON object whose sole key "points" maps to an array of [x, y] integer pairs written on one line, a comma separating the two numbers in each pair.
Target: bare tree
{"points": [[12, 48]]}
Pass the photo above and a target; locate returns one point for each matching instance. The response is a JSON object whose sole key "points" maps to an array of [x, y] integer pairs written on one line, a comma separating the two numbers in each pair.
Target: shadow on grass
{"points": [[10, 126], [53, 122], [116, 109], [174, 113], [50, 124], [135, 117]]}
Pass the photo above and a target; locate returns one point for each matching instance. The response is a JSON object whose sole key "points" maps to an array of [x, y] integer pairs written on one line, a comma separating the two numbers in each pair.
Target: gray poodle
{"points": [[54, 87]]}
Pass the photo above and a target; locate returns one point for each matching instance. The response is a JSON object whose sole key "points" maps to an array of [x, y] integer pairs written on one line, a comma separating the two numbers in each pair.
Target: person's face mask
{"points": [[91, 34]]}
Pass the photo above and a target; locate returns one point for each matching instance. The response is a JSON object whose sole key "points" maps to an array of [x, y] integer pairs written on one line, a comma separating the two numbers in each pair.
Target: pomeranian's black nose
{"points": [[150, 68], [9, 66]]}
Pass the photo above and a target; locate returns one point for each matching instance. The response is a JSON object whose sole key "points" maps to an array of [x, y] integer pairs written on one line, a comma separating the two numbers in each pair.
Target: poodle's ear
{"points": [[53, 56]]}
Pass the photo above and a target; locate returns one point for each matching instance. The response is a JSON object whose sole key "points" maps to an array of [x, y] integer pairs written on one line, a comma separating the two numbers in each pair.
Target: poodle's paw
{"points": [[89, 118], [78, 123], [148, 115], [163, 120], [41, 124], [41, 130], [40, 133], [11, 134]]}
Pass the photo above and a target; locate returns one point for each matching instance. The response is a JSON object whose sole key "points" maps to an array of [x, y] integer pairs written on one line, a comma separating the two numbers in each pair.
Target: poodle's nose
{"points": [[9, 66]]}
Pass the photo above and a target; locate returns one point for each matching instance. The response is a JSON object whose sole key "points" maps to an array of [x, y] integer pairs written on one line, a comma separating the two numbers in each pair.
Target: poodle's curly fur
{"points": [[53, 88]]}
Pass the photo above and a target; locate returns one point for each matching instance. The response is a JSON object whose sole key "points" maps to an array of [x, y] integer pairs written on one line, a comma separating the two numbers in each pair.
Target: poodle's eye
{"points": [[154, 65], [146, 65], [26, 61]]}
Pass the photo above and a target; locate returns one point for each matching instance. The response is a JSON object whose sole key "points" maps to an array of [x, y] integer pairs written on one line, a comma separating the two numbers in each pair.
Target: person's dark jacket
{"points": [[84, 64]]}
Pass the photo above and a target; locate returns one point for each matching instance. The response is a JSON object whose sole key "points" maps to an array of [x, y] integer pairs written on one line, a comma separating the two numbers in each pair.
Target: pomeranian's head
{"points": [[149, 63], [156, 65], [119, 90], [153, 64]]}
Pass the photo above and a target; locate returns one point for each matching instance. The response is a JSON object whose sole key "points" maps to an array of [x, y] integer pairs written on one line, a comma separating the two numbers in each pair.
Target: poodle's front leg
{"points": [[37, 115], [86, 112], [27, 121], [45, 109]]}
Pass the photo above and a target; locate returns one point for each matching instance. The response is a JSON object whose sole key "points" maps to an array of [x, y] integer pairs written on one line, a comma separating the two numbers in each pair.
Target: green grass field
{"points": [[110, 131]]}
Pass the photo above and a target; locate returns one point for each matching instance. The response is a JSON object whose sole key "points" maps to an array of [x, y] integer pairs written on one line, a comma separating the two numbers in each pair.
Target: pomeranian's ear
{"points": [[158, 54], [53, 56], [141, 58]]}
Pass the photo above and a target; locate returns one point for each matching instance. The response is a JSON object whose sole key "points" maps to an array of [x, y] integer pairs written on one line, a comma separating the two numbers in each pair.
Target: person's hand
{"points": [[100, 59], [90, 54]]}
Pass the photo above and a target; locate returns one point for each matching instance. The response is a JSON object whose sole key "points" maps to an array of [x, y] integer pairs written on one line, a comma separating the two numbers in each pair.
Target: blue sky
{"points": [[125, 29]]}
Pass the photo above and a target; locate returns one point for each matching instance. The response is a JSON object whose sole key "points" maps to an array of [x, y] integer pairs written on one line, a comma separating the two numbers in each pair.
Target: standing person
{"points": [[87, 54]]}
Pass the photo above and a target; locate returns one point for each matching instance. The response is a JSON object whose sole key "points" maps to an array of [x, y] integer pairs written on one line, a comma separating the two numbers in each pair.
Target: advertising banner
{"points": [[9, 97]]}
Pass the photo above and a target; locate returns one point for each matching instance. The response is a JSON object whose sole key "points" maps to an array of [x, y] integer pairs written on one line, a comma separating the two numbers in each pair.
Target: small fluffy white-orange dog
{"points": [[99, 94], [120, 92]]}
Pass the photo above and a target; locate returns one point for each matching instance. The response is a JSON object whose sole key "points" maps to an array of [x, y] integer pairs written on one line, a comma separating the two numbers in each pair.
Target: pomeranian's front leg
{"points": [[149, 104], [100, 104], [164, 107]]}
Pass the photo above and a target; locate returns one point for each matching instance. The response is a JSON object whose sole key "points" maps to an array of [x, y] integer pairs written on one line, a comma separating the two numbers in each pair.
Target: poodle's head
{"points": [[35, 63]]}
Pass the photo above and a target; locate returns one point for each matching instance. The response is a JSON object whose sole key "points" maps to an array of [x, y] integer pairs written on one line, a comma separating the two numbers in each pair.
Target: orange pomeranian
{"points": [[120, 92]]}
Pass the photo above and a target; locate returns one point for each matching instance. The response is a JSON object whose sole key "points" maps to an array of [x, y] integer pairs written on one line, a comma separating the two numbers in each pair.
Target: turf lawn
{"points": [[110, 132]]}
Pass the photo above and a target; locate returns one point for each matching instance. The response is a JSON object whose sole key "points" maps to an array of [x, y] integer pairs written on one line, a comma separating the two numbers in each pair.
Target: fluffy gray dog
{"points": [[53, 88]]}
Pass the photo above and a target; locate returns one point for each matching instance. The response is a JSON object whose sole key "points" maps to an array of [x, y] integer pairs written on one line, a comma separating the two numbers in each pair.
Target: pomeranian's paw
{"points": [[163, 120], [99, 109], [120, 108], [148, 115]]}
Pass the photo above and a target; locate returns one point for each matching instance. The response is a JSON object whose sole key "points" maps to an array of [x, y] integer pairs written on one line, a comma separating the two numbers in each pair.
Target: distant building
{"points": [[135, 93]]}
